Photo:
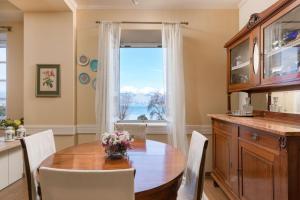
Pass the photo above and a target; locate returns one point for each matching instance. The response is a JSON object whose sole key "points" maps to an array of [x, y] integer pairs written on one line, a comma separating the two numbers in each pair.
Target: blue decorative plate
{"points": [[84, 78], [94, 81], [94, 65]]}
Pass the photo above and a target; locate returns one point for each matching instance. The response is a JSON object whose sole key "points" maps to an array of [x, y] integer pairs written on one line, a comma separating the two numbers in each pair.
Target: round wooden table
{"points": [[159, 167]]}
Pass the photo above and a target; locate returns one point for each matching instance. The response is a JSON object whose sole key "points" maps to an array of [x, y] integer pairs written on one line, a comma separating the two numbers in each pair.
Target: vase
{"points": [[116, 155]]}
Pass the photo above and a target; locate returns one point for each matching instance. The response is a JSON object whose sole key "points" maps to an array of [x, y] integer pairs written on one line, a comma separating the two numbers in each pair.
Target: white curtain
{"points": [[174, 80], [107, 86]]}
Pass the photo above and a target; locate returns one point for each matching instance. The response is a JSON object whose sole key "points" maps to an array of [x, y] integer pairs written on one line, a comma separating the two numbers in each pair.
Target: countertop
{"points": [[4, 146], [261, 123]]}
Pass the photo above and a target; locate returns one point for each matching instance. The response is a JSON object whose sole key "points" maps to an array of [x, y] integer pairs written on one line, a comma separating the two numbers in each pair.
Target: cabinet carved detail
{"points": [[282, 142], [254, 18]]}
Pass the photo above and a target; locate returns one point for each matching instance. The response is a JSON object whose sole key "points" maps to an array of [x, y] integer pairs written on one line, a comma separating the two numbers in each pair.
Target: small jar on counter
{"points": [[9, 134], [21, 132]]}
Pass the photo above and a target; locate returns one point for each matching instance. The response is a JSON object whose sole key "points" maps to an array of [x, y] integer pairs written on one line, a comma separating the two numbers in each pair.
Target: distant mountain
{"points": [[138, 99]]}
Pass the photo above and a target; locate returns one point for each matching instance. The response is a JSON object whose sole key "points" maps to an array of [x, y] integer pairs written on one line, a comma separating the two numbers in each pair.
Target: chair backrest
{"points": [[194, 177], [59, 184], [36, 148], [136, 130]]}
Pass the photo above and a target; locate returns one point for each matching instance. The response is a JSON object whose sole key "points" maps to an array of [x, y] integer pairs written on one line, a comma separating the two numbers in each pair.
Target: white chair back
{"points": [[58, 184], [134, 129], [36, 148], [193, 182]]}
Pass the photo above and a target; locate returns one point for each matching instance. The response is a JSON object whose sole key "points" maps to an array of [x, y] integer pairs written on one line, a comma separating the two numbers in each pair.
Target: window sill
{"points": [[152, 127]]}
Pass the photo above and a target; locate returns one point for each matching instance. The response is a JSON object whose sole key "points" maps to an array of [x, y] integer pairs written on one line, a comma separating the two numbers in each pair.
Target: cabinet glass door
{"points": [[282, 46], [240, 63]]}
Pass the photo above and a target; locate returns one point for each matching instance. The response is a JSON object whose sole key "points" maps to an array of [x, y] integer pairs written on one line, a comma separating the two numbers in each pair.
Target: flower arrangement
{"points": [[117, 143], [10, 122]]}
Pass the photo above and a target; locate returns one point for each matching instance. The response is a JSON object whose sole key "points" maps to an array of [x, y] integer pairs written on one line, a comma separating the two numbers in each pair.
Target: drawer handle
{"points": [[254, 137]]}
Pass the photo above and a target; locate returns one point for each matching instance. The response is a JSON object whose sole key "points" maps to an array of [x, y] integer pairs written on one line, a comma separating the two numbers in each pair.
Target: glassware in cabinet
{"points": [[282, 47]]}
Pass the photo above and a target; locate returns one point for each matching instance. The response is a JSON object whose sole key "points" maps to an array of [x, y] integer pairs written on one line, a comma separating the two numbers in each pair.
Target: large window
{"points": [[2, 79], [142, 95]]}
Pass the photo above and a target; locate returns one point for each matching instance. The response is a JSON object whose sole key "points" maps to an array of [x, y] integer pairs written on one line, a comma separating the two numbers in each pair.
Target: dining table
{"points": [[159, 167]]}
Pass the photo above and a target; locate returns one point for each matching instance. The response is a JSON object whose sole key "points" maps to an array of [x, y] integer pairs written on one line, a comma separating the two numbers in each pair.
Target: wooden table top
{"points": [[156, 163]]}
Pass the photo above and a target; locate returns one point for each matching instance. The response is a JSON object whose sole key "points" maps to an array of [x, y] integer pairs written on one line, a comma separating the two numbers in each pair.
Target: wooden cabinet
{"points": [[224, 152], [251, 164], [258, 156], [281, 47], [266, 52], [244, 62]]}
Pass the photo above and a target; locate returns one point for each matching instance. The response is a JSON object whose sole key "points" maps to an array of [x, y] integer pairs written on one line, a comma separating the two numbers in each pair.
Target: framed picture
{"points": [[48, 81]]}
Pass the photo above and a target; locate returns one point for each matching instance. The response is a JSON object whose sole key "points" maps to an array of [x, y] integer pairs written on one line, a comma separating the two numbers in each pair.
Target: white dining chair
{"points": [[192, 185], [60, 184], [137, 130], [36, 148]]}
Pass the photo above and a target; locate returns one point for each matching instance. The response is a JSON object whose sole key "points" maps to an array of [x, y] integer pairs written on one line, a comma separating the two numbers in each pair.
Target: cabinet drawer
{"points": [[223, 126], [258, 137]]}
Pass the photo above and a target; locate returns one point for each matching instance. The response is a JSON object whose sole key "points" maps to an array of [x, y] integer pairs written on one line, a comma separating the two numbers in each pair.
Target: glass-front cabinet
{"points": [[240, 63], [244, 62], [281, 47]]}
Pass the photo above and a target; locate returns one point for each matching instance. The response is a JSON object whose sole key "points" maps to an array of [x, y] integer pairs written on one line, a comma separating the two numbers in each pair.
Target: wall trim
{"points": [[57, 129], [155, 129]]}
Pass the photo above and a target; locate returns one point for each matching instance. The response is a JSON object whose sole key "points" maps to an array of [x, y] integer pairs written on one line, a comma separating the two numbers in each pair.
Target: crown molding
{"points": [[72, 5], [242, 3]]}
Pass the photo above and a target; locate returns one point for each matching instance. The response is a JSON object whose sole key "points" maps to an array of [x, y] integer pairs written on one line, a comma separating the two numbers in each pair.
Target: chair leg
{"points": [[215, 184]]}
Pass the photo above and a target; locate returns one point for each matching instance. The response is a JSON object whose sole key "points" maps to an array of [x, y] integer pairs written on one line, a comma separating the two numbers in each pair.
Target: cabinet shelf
{"points": [[242, 65], [292, 44]]}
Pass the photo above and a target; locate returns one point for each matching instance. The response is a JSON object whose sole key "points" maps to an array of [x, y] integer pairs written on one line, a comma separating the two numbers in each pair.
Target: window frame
{"points": [[138, 45], [4, 80]]}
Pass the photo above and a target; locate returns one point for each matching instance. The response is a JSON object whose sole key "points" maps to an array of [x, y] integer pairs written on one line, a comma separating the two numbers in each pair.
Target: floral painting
{"points": [[48, 80]]}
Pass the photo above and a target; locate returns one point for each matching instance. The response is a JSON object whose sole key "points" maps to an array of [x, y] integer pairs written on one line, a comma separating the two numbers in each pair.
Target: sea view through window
{"points": [[142, 95]]}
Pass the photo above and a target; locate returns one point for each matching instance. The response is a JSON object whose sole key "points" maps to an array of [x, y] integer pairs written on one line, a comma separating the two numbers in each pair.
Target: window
{"points": [[141, 81], [2, 78]]}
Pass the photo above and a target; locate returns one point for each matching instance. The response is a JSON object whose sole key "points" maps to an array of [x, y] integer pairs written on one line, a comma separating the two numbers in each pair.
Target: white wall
{"points": [[248, 7]]}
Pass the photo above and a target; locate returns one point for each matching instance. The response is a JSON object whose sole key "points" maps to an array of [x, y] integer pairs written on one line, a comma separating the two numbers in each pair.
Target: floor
{"points": [[18, 191]]}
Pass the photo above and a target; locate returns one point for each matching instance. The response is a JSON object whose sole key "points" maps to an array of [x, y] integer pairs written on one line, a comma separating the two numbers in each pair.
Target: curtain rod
{"points": [[131, 22], [7, 28]]}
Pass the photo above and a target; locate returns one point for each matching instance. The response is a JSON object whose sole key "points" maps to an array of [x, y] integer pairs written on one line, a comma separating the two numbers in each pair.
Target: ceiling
{"points": [[9, 13], [157, 4]]}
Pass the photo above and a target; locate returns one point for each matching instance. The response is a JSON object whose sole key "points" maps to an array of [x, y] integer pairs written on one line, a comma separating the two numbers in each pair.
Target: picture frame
{"points": [[48, 80]]}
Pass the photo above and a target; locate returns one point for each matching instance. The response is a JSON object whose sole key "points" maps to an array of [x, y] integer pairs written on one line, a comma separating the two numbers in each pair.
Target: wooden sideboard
{"points": [[256, 158]]}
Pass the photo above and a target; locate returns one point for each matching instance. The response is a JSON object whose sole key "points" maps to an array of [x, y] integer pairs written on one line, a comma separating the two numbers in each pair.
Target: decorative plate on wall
{"points": [[94, 65], [83, 60], [94, 81], [84, 78]]}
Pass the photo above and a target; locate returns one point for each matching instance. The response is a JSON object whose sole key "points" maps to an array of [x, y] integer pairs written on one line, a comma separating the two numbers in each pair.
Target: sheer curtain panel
{"points": [[107, 86], [174, 84]]}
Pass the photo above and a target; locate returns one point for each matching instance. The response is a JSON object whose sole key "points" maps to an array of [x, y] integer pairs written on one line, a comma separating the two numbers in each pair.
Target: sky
{"points": [[141, 70]]}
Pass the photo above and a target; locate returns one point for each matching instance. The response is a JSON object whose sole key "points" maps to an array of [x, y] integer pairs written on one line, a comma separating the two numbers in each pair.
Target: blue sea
{"points": [[137, 110]]}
